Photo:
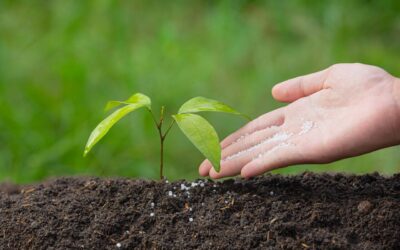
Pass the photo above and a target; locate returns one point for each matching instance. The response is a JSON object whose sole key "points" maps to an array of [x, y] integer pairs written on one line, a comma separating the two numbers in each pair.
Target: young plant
{"points": [[198, 130]]}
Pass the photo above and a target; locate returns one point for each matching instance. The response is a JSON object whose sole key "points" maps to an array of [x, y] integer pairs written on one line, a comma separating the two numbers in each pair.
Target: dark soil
{"points": [[301, 212]]}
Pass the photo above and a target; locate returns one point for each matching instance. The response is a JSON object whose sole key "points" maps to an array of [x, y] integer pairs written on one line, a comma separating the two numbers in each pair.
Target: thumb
{"points": [[302, 86]]}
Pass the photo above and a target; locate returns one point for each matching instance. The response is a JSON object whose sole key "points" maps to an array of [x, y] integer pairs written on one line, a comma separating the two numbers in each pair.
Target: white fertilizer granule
{"points": [[241, 138], [247, 134], [183, 187], [280, 136], [306, 127]]}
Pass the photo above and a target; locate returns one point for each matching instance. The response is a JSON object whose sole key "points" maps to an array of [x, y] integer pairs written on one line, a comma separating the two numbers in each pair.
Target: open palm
{"points": [[343, 111]]}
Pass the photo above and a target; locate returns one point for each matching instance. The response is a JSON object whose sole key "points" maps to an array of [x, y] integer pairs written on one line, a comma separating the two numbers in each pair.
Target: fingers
{"points": [[268, 120], [282, 155], [293, 89], [249, 142], [273, 118], [204, 168], [232, 165]]}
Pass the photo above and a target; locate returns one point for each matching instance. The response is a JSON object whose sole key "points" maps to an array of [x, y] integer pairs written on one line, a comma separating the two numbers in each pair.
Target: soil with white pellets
{"points": [[307, 211]]}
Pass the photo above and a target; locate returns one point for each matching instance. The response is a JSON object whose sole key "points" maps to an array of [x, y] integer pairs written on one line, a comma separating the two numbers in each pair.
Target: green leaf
{"points": [[113, 104], [101, 130], [202, 135], [134, 99], [200, 104]]}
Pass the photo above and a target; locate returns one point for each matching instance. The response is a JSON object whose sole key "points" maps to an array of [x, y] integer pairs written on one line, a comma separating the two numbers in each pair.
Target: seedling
{"points": [[197, 129]]}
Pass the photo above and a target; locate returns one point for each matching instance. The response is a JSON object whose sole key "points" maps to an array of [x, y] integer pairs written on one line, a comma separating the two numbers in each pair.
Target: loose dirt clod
{"points": [[364, 207], [306, 211]]}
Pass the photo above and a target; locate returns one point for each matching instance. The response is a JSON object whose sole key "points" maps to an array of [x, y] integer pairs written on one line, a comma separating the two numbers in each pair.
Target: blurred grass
{"points": [[60, 61]]}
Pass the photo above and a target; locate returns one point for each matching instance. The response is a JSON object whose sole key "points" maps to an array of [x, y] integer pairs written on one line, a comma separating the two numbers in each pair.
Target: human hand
{"points": [[343, 111]]}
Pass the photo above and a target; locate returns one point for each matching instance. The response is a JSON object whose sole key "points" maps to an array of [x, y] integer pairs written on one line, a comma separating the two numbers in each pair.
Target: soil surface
{"points": [[306, 211]]}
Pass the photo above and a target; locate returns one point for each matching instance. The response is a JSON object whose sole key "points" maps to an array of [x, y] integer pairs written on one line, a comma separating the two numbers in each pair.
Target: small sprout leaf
{"points": [[101, 130], [137, 98], [200, 104], [202, 134]]}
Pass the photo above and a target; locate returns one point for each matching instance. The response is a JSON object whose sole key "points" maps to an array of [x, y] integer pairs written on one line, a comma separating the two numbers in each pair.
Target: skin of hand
{"points": [[343, 111]]}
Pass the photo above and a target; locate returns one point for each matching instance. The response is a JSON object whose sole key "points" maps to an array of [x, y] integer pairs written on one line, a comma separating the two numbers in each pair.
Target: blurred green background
{"points": [[60, 61]]}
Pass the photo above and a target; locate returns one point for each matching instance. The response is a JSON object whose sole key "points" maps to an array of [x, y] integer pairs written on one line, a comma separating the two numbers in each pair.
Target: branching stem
{"points": [[159, 126]]}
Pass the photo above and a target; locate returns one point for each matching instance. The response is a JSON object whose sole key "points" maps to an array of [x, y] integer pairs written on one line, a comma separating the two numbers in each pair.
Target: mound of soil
{"points": [[306, 211]]}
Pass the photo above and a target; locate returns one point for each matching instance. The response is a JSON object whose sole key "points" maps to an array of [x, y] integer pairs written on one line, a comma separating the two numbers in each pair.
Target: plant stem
{"points": [[162, 136], [169, 128], [154, 118], [161, 158]]}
